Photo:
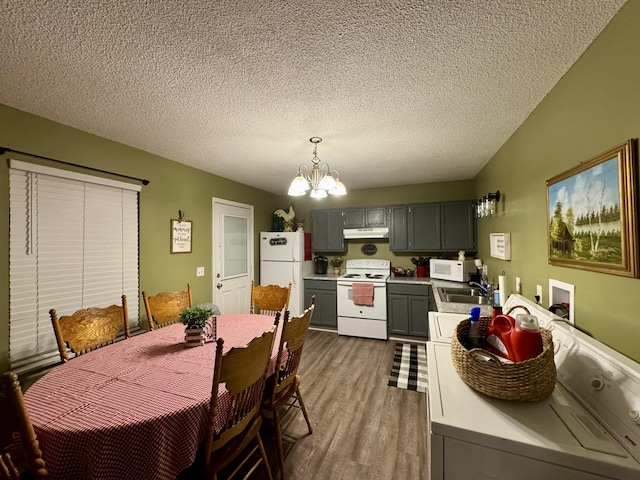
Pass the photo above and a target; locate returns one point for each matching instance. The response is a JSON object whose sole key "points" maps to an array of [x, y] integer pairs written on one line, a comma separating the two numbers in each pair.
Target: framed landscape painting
{"points": [[592, 214]]}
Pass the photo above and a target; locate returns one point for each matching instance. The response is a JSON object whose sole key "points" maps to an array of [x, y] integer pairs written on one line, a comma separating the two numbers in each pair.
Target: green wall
{"points": [[172, 187], [595, 106]]}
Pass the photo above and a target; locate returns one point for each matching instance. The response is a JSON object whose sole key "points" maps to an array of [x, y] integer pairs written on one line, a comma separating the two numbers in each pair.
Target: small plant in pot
{"points": [[195, 319], [336, 263]]}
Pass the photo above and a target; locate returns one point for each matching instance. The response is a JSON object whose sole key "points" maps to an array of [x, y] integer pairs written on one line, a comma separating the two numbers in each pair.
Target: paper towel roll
{"points": [[502, 288]]}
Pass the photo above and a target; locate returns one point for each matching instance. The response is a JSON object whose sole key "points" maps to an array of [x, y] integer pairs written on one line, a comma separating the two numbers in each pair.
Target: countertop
{"points": [[447, 307]]}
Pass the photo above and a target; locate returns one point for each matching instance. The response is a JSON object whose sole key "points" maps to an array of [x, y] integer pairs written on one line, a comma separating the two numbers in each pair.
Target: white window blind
{"points": [[73, 244]]}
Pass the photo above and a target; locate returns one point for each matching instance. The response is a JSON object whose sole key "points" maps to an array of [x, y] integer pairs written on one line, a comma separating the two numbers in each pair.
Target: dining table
{"points": [[137, 408]]}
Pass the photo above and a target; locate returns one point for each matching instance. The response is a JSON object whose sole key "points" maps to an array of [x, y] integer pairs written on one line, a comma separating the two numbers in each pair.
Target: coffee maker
{"points": [[320, 263]]}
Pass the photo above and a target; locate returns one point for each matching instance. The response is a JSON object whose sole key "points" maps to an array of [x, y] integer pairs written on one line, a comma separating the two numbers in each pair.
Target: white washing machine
{"points": [[589, 428]]}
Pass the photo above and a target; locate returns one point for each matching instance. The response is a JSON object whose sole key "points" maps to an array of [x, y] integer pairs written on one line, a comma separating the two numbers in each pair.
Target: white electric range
{"points": [[589, 428], [358, 319]]}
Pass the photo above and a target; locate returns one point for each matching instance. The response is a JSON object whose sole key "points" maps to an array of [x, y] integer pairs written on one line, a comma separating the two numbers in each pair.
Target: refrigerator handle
{"points": [[296, 272]]}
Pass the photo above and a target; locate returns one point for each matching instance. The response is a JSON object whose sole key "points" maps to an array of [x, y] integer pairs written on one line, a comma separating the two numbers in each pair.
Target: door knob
{"points": [[219, 286]]}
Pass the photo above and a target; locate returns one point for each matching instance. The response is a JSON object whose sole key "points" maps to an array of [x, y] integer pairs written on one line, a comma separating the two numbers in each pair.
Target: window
{"points": [[73, 243]]}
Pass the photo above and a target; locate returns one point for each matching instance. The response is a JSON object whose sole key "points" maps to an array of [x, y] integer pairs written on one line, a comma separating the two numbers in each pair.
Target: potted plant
{"points": [[336, 263], [195, 319]]}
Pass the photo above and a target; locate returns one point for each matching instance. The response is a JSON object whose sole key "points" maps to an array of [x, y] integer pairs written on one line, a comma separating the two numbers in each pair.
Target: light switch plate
{"points": [[518, 286], [200, 272], [539, 292]]}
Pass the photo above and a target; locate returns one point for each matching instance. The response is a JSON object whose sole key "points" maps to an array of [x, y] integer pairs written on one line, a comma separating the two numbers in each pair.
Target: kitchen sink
{"points": [[474, 292], [462, 298]]}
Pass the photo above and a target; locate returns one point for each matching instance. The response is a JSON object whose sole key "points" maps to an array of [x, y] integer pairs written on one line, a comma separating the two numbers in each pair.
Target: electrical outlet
{"points": [[518, 285], [200, 272], [539, 293]]}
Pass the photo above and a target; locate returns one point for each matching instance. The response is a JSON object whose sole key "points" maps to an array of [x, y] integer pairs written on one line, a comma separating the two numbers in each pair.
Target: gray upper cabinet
{"points": [[424, 227], [361, 217], [433, 227], [458, 226], [417, 227], [398, 228], [327, 231]]}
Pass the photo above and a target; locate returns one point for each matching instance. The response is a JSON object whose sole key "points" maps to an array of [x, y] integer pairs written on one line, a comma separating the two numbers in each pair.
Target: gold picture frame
{"points": [[181, 236], [592, 214]]}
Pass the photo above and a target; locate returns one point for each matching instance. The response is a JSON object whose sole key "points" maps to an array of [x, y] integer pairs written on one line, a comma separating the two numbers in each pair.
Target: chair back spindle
{"points": [[20, 454]]}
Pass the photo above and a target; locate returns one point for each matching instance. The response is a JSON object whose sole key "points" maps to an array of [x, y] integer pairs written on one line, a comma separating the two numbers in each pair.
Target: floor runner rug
{"points": [[409, 367]]}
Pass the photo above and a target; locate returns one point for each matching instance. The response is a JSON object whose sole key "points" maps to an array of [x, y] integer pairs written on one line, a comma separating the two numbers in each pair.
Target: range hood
{"points": [[369, 232]]}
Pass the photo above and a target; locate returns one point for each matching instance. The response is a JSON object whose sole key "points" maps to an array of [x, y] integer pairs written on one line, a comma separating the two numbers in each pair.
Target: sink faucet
{"points": [[487, 289]]}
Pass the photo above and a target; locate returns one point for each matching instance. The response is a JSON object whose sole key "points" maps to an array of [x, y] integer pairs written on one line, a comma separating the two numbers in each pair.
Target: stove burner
{"points": [[363, 276]]}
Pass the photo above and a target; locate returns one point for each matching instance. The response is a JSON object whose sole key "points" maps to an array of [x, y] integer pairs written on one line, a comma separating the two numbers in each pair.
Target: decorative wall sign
{"points": [[180, 236], [500, 245], [592, 212], [368, 249]]}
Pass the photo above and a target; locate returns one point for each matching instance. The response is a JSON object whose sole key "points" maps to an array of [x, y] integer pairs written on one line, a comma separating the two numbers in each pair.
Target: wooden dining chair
{"points": [[282, 391], [234, 423], [20, 455], [164, 308], [269, 299], [89, 328]]}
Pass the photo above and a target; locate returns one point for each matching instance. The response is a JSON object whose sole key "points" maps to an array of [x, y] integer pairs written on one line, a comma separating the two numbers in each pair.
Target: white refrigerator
{"points": [[282, 261]]}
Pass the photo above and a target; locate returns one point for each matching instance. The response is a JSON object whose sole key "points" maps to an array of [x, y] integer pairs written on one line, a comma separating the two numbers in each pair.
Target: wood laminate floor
{"points": [[362, 428]]}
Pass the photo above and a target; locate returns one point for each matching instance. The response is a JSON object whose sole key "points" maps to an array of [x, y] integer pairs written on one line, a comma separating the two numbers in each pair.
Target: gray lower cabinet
{"points": [[408, 309], [325, 313]]}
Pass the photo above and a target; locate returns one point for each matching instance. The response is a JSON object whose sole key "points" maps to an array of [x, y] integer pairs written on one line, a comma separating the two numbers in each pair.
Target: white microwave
{"points": [[453, 270]]}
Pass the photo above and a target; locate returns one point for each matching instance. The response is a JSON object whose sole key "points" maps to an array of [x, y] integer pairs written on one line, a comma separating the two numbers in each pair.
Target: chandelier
{"points": [[320, 179]]}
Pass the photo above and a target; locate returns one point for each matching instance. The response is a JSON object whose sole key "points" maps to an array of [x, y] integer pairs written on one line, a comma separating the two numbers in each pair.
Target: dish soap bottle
{"points": [[474, 339]]}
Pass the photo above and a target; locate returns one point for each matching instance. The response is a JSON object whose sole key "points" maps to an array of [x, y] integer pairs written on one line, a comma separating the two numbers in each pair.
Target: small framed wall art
{"points": [[500, 245], [181, 236]]}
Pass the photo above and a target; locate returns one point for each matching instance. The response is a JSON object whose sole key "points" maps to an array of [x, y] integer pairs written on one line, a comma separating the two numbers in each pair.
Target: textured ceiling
{"points": [[401, 92]]}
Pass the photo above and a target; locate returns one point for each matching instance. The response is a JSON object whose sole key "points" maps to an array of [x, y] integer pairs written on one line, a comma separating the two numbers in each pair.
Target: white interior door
{"points": [[232, 255]]}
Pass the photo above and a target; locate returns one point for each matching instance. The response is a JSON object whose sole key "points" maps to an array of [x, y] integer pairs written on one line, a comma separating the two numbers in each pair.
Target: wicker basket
{"points": [[529, 381]]}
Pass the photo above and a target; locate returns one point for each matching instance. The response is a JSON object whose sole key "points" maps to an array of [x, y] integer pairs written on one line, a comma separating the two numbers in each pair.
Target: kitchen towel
{"points": [[362, 293], [308, 250]]}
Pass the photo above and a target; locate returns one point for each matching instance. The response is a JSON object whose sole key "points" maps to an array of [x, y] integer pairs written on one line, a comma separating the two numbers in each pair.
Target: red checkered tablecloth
{"points": [[134, 409]]}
